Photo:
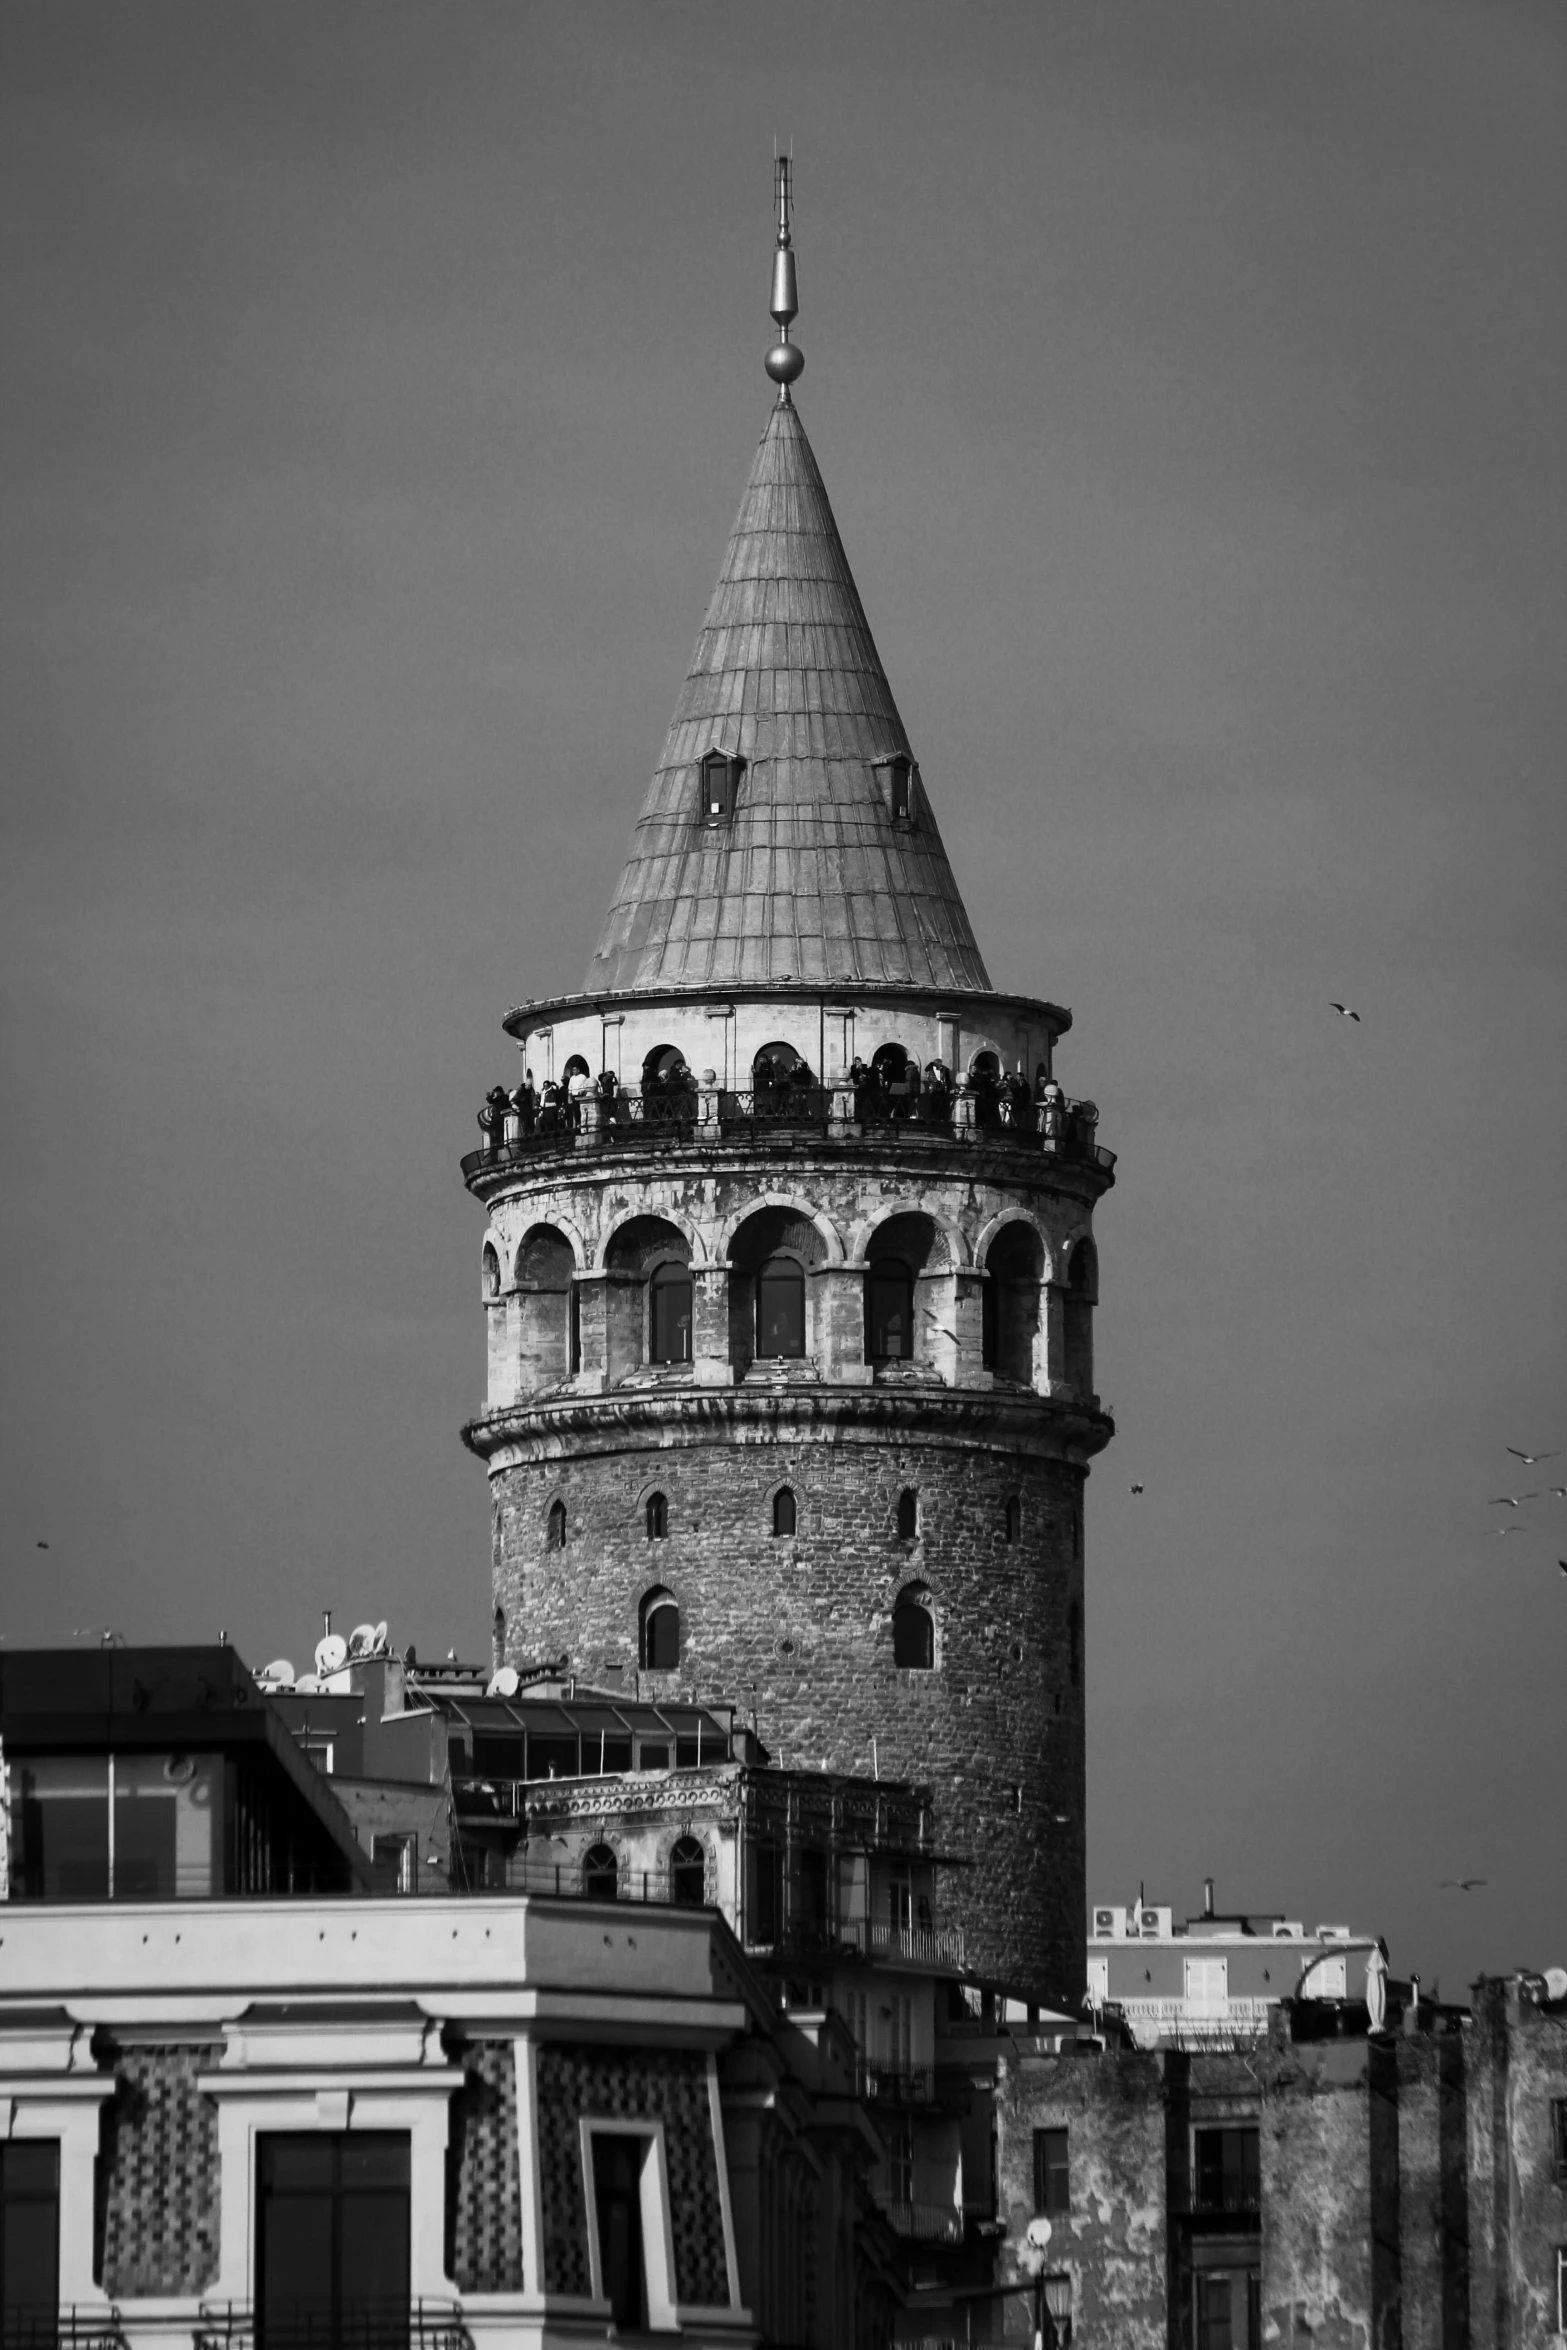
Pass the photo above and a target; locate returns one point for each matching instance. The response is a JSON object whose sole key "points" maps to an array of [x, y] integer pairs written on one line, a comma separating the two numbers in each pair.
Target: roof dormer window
{"points": [[720, 785], [897, 773]]}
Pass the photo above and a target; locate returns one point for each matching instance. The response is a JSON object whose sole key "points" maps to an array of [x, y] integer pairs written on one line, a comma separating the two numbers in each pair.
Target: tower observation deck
{"points": [[789, 1269]]}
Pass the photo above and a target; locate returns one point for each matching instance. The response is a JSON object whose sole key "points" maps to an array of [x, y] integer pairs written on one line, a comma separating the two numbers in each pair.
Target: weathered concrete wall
{"points": [[1518, 2204]]}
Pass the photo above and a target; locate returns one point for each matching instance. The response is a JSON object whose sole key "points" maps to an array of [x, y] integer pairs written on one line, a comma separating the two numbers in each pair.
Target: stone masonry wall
{"points": [[799, 1629]]}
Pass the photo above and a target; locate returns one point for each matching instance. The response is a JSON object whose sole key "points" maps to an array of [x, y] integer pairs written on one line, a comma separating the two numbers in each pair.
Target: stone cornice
{"points": [[672, 1417]]}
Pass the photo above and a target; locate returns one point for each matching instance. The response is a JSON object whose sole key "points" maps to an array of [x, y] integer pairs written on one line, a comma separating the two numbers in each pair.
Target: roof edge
{"points": [[523, 1019]]}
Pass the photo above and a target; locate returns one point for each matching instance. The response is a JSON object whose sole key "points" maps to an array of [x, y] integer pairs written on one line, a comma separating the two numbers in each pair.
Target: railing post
{"points": [[965, 1109], [708, 1098], [589, 1108], [841, 1120]]}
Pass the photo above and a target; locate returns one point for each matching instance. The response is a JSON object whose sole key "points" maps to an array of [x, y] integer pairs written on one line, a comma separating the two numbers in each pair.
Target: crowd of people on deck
{"points": [[890, 1089]]}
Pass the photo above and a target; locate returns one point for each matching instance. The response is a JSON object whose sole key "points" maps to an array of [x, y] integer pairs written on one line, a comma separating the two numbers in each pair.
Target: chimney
{"points": [[1207, 1897]]}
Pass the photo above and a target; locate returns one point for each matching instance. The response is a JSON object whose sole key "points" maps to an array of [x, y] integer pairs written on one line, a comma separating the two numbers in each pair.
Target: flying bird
{"points": [[1136, 1489], [1557, 1492], [1513, 1528], [1464, 1884], [40, 1546], [1530, 1458], [1345, 1013], [1510, 1501]]}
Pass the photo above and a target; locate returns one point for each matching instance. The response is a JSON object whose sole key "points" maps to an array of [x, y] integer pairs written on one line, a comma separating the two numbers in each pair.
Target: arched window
{"points": [[575, 1067], [783, 1511], [688, 1874], [600, 1873], [660, 1633], [1014, 1517], [780, 1308], [556, 1526], [1074, 1633], [914, 1630], [889, 1312], [1014, 1266], [545, 1269], [657, 1517], [1082, 1288], [490, 1272], [669, 1314], [908, 1514]]}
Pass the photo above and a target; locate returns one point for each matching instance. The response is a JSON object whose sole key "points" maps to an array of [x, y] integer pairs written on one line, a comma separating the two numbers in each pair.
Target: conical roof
{"points": [[811, 880]]}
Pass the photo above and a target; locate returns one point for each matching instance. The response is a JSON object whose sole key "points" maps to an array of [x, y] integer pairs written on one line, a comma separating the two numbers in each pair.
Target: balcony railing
{"points": [[892, 2084], [1220, 2191], [419, 2324], [928, 1946], [70, 2328], [926, 2223], [629, 1121]]}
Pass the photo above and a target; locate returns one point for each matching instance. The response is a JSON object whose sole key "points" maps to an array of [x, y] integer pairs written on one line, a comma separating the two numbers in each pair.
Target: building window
{"points": [[121, 1827], [1014, 1517], [1082, 1291], [30, 2240], [784, 1512], [720, 777], [889, 1312], [332, 2265], [908, 1514], [688, 1874], [395, 1860], [660, 1633], [1208, 1985], [1559, 2138], [657, 1517], [1214, 2330], [600, 1873], [669, 1302], [914, 1631], [490, 1272], [1052, 2185], [897, 771], [555, 1529], [617, 2206], [1225, 2173], [900, 2161], [780, 1308]]}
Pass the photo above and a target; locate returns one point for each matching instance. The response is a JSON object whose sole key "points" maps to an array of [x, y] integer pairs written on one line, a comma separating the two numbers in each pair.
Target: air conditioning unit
{"points": [[1109, 1925]]}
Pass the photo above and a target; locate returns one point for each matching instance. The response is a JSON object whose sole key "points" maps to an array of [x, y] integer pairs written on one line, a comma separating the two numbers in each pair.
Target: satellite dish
{"points": [[308, 1685], [504, 1683], [379, 1635], [331, 1653], [361, 1640], [1556, 1982], [180, 1769], [279, 1670]]}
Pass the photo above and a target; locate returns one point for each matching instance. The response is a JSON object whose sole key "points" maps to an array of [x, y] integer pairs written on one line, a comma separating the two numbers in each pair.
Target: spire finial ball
{"points": [[785, 363]]}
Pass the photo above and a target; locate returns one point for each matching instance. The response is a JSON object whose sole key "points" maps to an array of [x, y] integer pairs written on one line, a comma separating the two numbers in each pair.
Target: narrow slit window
{"points": [[657, 1517], [555, 1535], [908, 1514], [1014, 1517], [660, 1633], [784, 1512], [720, 775]]}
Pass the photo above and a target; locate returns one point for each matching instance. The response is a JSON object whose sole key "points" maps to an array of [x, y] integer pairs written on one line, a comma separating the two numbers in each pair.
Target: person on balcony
{"points": [[492, 1120], [936, 1100], [525, 1101]]}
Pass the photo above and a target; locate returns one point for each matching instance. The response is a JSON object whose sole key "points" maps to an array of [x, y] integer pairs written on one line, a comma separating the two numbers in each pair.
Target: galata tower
{"points": [[788, 1271]]}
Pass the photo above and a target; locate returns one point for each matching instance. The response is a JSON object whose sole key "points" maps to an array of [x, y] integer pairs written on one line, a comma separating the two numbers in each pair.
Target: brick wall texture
{"points": [[653, 2085], [800, 1630], [484, 2209], [160, 2174]]}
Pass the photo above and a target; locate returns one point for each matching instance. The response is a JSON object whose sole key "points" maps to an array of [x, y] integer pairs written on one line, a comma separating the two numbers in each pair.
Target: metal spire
{"points": [[785, 362]]}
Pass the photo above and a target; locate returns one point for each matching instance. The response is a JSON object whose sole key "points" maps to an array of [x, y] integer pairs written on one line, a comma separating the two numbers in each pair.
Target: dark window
{"points": [[784, 1514], [1082, 1289], [670, 1313], [764, 1892], [1014, 1517], [617, 2200], [688, 1873], [657, 1517], [600, 1873], [617, 1753], [889, 1312], [553, 1758], [30, 2240], [719, 777], [1052, 2179], [652, 1754], [908, 1514], [497, 1754], [660, 1633], [1214, 2330], [1226, 2174], [574, 1328], [913, 1635], [1559, 2138], [1254, 2309], [810, 1881], [557, 1525], [395, 1863], [780, 1308], [897, 771], [333, 2259]]}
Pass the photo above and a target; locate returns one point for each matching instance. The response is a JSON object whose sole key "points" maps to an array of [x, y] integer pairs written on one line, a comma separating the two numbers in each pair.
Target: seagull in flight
{"points": [[1514, 1528], [1135, 1489], [1345, 1013], [1510, 1501], [1530, 1458], [1463, 1884]]}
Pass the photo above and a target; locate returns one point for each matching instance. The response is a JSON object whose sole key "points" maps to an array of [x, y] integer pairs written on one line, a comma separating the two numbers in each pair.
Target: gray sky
{"points": [[1188, 382]]}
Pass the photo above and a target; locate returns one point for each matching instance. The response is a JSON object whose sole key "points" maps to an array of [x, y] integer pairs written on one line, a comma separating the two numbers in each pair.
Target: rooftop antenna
{"points": [[785, 362]]}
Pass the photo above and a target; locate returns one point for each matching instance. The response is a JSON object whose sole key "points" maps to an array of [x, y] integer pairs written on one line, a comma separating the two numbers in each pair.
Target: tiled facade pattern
{"points": [[811, 881], [670, 2086], [160, 2173], [484, 2209]]}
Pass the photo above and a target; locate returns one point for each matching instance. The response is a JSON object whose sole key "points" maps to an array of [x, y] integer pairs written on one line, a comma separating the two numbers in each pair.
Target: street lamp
{"points": [[1052, 2294]]}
